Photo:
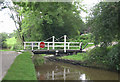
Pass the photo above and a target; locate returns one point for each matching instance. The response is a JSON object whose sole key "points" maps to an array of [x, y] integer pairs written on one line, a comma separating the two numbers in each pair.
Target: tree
{"points": [[105, 26], [43, 20], [3, 37], [104, 22], [16, 15]]}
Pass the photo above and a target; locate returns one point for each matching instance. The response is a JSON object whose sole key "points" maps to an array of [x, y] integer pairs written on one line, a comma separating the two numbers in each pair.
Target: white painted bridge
{"points": [[54, 45]]}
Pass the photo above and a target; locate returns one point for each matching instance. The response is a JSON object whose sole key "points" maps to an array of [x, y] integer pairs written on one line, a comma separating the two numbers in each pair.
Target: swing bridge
{"points": [[55, 46]]}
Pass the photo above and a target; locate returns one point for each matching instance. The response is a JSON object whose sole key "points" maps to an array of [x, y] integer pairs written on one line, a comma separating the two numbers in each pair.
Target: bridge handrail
{"points": [[54, 42], [65, 44]]}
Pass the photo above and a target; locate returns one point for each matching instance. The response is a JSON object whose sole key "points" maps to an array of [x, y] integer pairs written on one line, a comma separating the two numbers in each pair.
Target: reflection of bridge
{"points": [[62, 75], [55, 47]]}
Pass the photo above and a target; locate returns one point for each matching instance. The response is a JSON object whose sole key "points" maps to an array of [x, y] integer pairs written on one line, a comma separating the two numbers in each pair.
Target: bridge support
{"points": [[24, 45], [53, 42], [64, 43], [81, 46]]}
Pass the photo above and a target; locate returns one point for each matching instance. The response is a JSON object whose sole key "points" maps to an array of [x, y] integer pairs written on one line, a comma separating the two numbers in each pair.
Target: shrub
{"points": [[38, 60], [109, 56], [13, 44], [114, 57]]}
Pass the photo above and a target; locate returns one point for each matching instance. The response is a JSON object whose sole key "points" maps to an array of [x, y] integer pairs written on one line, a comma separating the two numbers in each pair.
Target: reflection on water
{"points": [[61, 71], [61, 75]]}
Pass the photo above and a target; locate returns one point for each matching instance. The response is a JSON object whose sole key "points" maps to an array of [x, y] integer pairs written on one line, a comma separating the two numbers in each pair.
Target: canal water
{"points": [[53, 70]]}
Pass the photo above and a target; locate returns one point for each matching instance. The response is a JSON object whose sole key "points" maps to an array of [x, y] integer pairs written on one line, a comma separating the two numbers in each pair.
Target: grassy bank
{"points": [[106, 58], [79, 56], [6, 50], [22, 68]]}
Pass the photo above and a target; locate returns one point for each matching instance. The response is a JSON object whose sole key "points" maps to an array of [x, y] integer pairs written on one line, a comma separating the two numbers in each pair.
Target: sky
{"points": [[7, 24]]}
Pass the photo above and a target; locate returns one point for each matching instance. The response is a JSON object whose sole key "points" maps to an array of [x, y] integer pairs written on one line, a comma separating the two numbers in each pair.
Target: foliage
{"points": [[14, 44], [22, 68], [38, 59], [109, 57], [79, 56], [5, 50], [105, 29], [3, 37], [104, 22], [42, 20], [86, 38], [11, 42], [114, 57]]}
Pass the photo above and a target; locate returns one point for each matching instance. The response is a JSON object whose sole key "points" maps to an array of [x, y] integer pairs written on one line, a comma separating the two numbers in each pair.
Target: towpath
{"points": [[6, 60]]}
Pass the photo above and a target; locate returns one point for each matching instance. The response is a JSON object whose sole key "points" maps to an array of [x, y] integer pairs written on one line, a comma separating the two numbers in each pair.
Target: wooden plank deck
{"points": [[55, 51]]}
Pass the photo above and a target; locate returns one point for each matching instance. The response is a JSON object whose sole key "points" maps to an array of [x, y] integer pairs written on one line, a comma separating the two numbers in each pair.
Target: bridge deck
{"points": [[55, 51]]}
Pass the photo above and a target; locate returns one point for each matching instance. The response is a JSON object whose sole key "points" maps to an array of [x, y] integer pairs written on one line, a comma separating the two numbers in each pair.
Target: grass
{"points": [[79, 56], [43, 55], [11, 41], [89, 45], [22, 68], [6, 50], [38, 59]]}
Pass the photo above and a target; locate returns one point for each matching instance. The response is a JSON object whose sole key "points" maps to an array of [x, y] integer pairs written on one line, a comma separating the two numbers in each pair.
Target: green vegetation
{"points": [[89, 45], [108, 57], [79, 56], [38, 59], [105, 30], [6, 50], [22, 68], [11, 42], [86, 38], [43, 20], [3, 37]]}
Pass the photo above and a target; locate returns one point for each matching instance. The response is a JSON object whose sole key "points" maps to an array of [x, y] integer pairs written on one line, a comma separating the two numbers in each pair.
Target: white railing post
{"points": [[38, 45], [48, 46], [52, 75], [80, 45], [32, 45], [69, 45], [53, 42], [64, 74], [64, 43], [24, 45]]}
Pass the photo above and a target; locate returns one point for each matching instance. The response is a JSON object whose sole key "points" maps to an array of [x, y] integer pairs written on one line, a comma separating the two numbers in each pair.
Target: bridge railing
{"points": [[54, 45], [49, 45]]}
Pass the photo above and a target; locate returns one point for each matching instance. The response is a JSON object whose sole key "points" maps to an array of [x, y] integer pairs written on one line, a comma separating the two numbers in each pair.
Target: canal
{"points": [[53, 70]]}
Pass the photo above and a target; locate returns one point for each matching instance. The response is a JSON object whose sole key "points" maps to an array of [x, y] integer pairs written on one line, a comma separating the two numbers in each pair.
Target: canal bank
{"points": [[52, 69], [22, 68], [81, 63]]}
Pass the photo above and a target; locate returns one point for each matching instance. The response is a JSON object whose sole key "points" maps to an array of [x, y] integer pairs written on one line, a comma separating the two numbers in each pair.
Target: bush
{"points": [[97, 55], [38, 60], [13, 44], [106, 56], [3, 37], [114, 57], [83, 38]]}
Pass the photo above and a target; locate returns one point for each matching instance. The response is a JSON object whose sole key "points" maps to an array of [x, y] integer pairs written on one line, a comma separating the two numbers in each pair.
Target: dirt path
{"points": [[89, 48], [6, 59]]}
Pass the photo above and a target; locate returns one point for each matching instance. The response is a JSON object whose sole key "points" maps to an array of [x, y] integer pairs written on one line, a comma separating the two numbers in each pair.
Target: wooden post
{"points": [[81, 46], [64, 43], [52, 75], [38, 45], [32, 45], [24, 45], [53, 42], [48, 46], [64, 74], [69, 45]]}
